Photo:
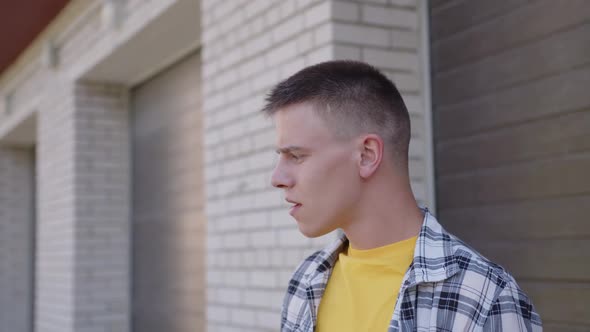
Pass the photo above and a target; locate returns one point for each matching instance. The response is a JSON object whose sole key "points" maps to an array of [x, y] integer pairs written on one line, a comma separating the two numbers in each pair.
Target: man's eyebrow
{"points": [[289, 149]]}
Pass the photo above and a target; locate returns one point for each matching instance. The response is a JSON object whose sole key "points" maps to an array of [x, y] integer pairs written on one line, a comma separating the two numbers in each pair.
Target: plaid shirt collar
{"points": [[432, 262]]}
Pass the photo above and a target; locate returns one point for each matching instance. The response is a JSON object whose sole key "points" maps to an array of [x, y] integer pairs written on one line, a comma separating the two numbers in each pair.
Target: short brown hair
{"points": [[355, 95]]}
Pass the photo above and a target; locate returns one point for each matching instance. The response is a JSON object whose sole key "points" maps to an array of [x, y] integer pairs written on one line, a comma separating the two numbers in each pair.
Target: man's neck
{"points": [[384, 218]]}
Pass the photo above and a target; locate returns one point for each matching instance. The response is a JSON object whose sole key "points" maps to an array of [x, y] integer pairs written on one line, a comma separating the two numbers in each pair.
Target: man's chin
{"points": [[312, 232]]}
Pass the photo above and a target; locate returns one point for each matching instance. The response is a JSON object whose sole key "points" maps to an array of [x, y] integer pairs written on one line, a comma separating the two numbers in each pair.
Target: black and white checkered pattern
{"points": [[448, 287]]}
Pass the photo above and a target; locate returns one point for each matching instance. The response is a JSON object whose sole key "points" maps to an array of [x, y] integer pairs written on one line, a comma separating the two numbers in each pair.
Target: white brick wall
{"points": [[16, 238], [102, 207], [83, 219], [54, 304], [388, 34], [247, 48], [251, 250]]}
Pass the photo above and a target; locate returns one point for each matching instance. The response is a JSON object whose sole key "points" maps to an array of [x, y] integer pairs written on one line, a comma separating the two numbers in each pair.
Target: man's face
{"points": [[317, 171]]}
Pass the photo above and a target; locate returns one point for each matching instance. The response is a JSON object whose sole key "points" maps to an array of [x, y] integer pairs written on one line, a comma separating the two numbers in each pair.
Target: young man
{"points": [[343, 133]]}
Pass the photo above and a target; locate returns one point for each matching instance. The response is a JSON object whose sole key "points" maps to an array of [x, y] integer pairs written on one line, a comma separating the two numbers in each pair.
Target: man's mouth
{"points": [[294, 206]]}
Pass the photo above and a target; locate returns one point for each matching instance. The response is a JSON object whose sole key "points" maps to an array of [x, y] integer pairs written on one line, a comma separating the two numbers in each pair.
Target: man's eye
{"points": [[294, 157]]}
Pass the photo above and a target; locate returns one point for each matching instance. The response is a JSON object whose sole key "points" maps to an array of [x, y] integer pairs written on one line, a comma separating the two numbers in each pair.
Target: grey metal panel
{"points": [[539, 99], [553, 294], [452, 17], [520, 64], [486, 37], [168, 223], [511, 121]]}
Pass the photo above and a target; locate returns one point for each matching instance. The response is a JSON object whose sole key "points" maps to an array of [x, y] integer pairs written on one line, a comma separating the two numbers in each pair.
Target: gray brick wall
{"points": [[16, 238], [248, 46]]}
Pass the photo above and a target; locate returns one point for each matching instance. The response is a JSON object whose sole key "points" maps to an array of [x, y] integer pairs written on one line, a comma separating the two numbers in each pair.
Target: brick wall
{"points": [[253, 244], [83, 220], [16, 238], [83, 264], [54, 303], [248, 46], [389, 35], [102, 207]]}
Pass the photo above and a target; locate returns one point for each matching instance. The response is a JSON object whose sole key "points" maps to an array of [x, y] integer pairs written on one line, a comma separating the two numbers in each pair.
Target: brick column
{"points": [[83, 222], [16, 238]]}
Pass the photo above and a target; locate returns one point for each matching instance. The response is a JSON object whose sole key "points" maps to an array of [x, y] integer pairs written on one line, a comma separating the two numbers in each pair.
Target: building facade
{"points": [[135, 165]]}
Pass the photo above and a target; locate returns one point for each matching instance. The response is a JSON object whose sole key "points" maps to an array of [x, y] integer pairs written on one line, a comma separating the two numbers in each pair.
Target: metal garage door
{"points": [[512, 135], [168, 221], [17, 238]]}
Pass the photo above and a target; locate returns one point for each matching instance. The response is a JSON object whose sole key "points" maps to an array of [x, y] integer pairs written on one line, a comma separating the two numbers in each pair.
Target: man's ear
{"points": [[371, 154]]}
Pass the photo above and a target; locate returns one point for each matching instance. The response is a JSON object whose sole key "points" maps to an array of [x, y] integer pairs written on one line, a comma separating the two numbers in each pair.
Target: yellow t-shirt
{"points": [[363, 288]]}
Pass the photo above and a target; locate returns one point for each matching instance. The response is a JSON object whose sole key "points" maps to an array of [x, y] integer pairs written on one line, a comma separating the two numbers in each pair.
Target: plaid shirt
{"points": [[448, 287]]}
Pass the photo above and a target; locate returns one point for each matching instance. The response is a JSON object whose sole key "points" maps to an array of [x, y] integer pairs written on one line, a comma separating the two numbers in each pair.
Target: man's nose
{"points": [[280, 179]]}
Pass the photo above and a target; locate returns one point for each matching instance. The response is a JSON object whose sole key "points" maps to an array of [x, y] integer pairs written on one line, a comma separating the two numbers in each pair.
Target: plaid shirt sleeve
{"points": [[298, 313], [306, 287], [512, 311]]}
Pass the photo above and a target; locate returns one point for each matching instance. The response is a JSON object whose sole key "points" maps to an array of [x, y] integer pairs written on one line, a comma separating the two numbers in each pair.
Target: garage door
{"points": [[167, 211], [512, 136]]}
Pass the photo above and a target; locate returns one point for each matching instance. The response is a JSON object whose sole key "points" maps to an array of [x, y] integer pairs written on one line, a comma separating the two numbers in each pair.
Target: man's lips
{"points": [[291, 201], [295, 207]]}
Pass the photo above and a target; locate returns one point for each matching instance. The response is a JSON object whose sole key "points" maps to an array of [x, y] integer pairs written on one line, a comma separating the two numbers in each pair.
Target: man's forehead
{"points": [[295, 119]]}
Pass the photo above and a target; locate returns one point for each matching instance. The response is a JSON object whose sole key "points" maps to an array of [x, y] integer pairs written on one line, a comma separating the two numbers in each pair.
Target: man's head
{"points": [[337, 123], [353, 97]]}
